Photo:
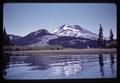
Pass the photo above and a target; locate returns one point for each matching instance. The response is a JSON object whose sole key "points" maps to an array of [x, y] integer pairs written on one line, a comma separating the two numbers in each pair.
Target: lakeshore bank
{"points": [[65, 51]]}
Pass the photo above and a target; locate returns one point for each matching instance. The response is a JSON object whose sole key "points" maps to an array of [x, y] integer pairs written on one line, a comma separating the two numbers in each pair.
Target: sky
{"points": [[23, 18]]}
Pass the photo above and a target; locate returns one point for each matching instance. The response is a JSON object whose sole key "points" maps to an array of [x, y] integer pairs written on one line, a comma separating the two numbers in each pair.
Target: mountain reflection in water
{"points": [[38, 66]]}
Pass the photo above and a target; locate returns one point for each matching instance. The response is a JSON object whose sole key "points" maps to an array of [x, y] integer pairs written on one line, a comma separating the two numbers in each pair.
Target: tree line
{"points": [[101, 40]]}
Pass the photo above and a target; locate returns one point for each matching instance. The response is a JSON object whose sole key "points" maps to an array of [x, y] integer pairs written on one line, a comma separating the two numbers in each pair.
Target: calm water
{"points": [[38, 66]]}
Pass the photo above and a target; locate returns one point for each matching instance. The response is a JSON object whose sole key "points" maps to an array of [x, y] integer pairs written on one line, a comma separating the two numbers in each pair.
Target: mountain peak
{"points": [[14, 37], [66, 26], [74, 31], [43, 31], [39, 32], [77, 27], [71, 27]]}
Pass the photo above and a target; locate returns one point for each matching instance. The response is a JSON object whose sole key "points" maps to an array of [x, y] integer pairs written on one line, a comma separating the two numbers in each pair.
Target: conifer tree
{"points": [[6, 39], [100, 39], [111, 38], [111, 35]]}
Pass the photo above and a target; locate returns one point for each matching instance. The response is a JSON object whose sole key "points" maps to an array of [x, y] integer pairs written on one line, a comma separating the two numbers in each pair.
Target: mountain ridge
{"points": [[14, 37], [66, 34]]}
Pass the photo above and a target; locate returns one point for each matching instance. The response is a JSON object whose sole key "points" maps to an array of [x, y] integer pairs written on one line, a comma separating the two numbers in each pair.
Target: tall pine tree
{"points": [[6, 39], [100, 39], [111, 38], [111, 35]]}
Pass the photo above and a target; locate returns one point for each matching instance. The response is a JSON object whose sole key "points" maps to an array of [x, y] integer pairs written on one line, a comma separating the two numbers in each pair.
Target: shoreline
{"points": [[65, 51]]}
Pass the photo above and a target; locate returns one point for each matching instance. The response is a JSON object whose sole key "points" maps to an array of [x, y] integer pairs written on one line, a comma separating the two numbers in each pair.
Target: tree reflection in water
{"points": [[6, 60], [101, 63], [112, 63]]}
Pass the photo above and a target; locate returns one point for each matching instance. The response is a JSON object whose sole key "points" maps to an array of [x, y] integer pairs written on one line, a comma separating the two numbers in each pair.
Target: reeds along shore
{"points": [[32, 48], [65, 51], [49, 47]]}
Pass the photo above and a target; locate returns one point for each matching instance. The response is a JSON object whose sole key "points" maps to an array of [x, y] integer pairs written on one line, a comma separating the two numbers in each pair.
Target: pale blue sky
{"points": [[23, 18]]}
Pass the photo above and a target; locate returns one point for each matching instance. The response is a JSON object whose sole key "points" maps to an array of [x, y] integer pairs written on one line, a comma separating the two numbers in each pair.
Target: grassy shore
{"points": [[65, 51]]}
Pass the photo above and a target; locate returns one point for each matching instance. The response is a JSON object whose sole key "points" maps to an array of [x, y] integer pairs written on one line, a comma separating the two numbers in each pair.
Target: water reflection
{"points": [[6, 60], [62, 65], [101, 63], [68, 67], [65, 65], [41, 62], [112, 63], [37, 62]]}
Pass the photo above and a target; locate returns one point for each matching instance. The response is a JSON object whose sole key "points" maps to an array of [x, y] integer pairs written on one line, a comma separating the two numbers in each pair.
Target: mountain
{"points": [[69, 36], [75, 31], [39, 37], [14, 37], [40, 32]]}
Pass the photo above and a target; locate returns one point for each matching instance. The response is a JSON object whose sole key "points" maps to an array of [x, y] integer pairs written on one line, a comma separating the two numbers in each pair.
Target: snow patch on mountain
{"points": [[14, 37], [75, 31], [43, 41]]}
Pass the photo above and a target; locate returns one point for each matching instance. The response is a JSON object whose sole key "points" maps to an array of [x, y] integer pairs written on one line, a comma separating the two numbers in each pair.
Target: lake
{"points": [[59, 66]]}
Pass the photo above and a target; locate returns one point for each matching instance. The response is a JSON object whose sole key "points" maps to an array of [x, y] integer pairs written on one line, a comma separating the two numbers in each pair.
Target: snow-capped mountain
{"points": [[39, 37], [66, 36], [14, 37], [75, 31]]}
